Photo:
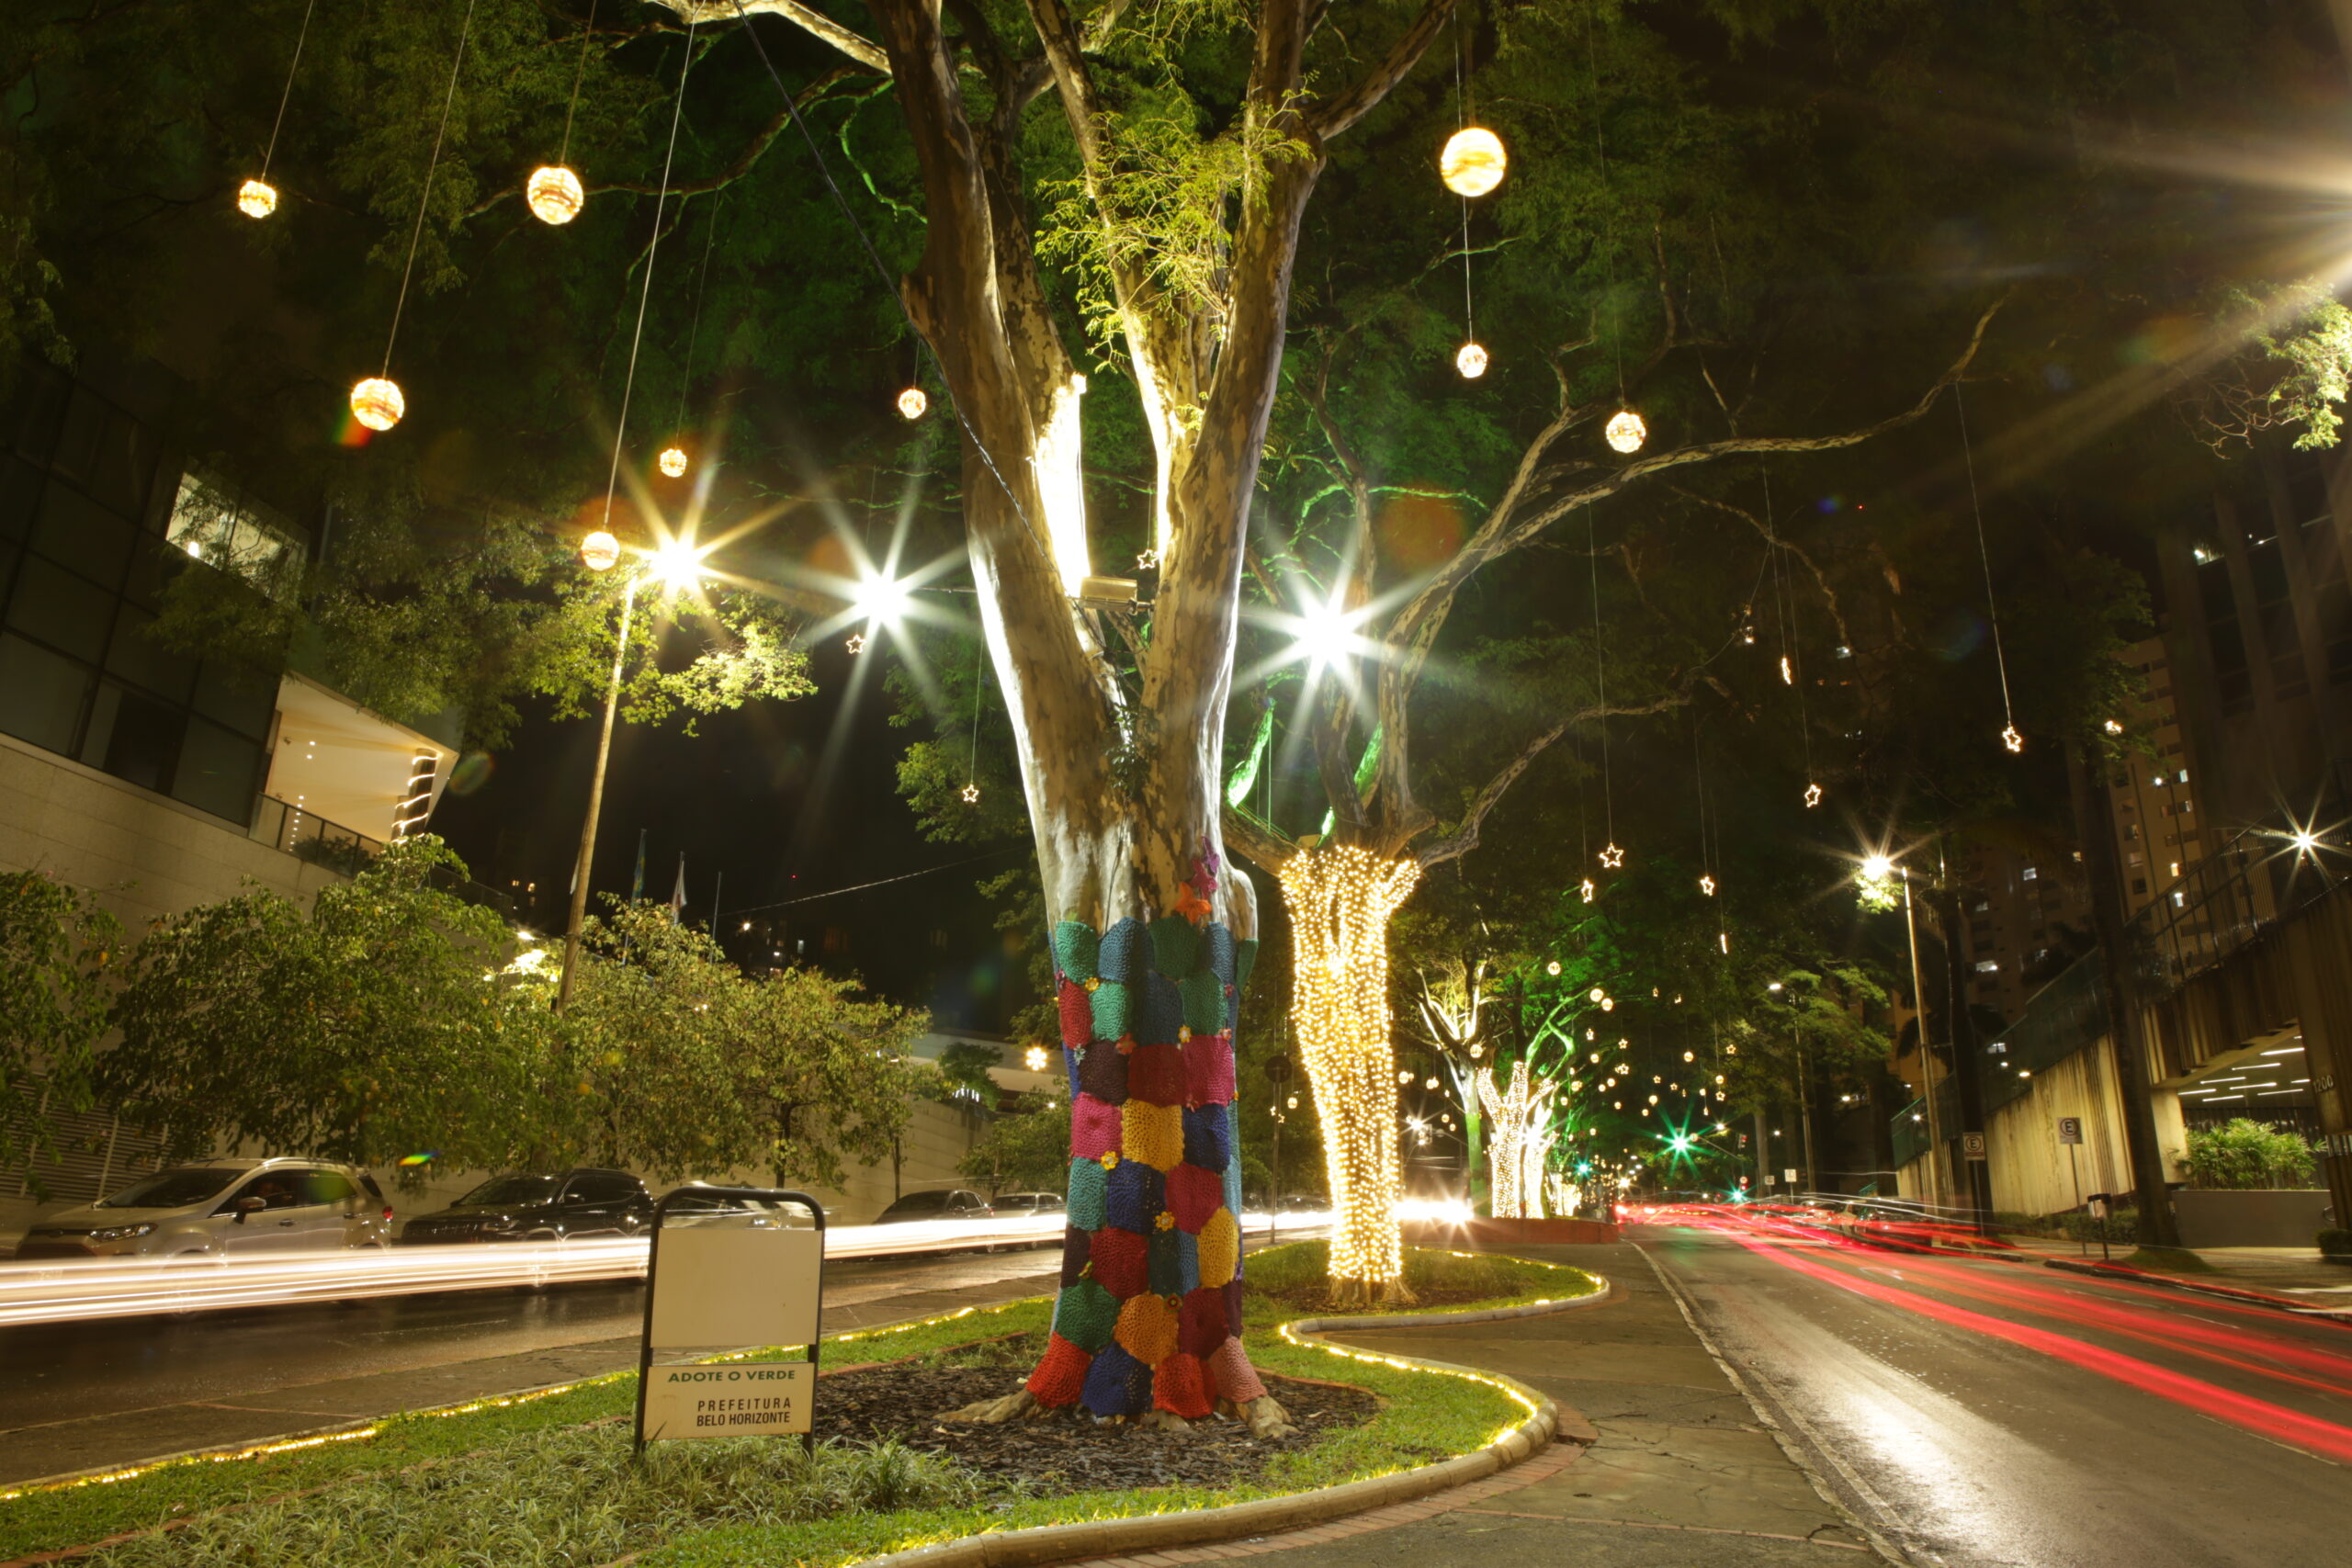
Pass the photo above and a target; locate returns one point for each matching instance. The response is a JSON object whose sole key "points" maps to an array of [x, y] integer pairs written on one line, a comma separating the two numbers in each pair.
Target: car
{"points": [[695, 1204], [539, 1206], [937, 1204], [1030, 1206], [223, 1208]]}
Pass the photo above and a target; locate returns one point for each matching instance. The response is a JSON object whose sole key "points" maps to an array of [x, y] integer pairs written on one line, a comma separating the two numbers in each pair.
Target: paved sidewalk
{"points": [[1679, 1470], [2296, 1272]]}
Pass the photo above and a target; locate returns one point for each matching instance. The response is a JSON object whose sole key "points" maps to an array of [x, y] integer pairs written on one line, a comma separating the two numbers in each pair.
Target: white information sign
{"points": [[725, 1285], [754, 1399]]}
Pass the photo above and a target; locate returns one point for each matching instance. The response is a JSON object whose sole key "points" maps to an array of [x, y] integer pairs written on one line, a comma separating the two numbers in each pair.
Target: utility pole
{"points": [[1976, 1175], [1805, 1119], [2094, 825]]}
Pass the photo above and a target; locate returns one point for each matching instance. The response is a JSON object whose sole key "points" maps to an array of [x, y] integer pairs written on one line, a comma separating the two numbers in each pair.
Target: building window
{"points": [[212, 524], [1987, 966], [2028, 875]]}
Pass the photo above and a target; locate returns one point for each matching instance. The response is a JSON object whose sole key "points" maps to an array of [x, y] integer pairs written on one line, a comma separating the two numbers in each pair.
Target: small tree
{"points": [[56, 945], [2244, 1154], [384, 1022], [1028, 1147]]}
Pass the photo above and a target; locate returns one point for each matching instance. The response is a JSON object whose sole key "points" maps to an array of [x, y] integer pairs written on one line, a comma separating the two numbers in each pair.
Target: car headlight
{"points": [[121, 1233]]}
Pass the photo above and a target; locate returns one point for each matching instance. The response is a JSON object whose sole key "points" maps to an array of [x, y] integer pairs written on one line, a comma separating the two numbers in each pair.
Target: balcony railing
{"points": [[285, 826]]}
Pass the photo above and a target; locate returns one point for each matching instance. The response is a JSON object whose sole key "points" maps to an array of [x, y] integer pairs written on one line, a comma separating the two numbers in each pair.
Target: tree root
{"points": [[1162, 1421], [1018, 1404], [1267, 1419]]}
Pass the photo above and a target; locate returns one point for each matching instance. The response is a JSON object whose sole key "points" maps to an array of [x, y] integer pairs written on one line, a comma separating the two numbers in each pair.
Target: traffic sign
{"points": [[2069, 1129], [1971, 1146]]}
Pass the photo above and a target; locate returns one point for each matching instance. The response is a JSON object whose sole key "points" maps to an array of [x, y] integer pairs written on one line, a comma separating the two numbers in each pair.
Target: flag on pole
{"points": [[678, 893]]}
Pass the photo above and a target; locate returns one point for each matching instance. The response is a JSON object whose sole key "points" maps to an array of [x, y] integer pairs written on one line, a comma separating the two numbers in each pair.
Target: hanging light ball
{"points": [[600, 552], [1473, 162], [911, 404], [256, 198], [554, 193], [672, 461], [1471, 361], [1626, 431], [376, 403]]}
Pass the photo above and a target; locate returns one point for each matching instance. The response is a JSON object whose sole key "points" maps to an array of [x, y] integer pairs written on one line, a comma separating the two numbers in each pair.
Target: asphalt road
{"points": [[1987, 1412], [79, 1395]]}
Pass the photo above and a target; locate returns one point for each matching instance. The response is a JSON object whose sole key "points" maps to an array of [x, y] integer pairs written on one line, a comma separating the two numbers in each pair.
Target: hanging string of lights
{"points": [[1471, 165], [377, 402], [673, 459], [257, 197], [554, 193], [1785, 616], [1625, 431], [645, 292], [2010, 737], [1611, 857], [972, 763]]}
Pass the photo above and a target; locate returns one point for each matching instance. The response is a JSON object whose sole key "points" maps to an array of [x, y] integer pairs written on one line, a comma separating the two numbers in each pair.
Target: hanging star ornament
{"points": [[971, 794], [856, 643], [1613, 857], [1589, 890], [1707, 885], [1812, 795], [2012, 739]]}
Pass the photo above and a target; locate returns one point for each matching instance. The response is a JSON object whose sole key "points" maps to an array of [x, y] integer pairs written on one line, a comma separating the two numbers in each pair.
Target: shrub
{"points": [[2244, 1154], [2120, 1225], [2336, 1243]]}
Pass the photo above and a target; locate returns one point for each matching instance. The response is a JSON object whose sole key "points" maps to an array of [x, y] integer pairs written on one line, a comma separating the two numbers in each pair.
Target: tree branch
{"points": [[1464, 837], [806, 17], [1261, 844], [1335, 116]]}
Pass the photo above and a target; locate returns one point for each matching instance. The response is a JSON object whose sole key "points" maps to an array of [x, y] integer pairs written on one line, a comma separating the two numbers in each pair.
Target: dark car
{"points": [[939, 1203], [529, 1206]]}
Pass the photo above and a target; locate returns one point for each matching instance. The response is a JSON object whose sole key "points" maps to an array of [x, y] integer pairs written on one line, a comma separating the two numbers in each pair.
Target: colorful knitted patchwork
{"points": [[1135, 1197], [1060, 1374], [1118, 1384], [1180, 1386], [1149, 1312], [1121, 1265], [1156, 1073]]}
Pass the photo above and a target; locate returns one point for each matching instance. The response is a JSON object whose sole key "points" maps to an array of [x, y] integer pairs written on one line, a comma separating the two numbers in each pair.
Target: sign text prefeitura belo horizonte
{"points": [[724, 1282]]}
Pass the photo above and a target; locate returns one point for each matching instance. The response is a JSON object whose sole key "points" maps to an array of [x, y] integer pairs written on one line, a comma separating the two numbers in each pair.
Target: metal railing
{"points": [[282, 825]]}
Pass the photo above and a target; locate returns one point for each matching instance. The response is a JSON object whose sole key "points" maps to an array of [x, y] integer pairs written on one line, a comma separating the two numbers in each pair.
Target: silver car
{"points": [[225, 1208]]}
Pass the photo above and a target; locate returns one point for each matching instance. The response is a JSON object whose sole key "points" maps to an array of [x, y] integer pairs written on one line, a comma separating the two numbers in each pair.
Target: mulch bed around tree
{"points": [[1065, 1453]]}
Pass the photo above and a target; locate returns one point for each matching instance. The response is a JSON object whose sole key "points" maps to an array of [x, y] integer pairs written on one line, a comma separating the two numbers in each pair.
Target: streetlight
{"points": [[674, 565]]}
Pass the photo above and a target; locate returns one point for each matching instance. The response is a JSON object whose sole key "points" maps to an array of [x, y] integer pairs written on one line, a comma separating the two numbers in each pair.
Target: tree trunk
{"points": [[2094, 826], [1341, 900]]}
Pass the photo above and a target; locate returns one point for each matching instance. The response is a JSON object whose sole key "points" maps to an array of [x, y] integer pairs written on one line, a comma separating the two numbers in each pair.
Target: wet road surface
{"points": [[1977, 1412]]}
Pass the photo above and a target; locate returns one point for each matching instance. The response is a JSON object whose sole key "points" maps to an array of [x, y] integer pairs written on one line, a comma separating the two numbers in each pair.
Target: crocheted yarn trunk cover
{"points": [[1150, 1314]]}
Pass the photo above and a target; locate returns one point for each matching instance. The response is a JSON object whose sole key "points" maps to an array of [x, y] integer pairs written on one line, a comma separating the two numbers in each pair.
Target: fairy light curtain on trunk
{"points": [[1340, 899]]}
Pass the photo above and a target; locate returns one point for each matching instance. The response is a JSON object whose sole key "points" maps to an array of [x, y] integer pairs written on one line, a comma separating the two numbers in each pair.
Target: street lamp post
{"points": [[674, 565], [1927, 1055]]}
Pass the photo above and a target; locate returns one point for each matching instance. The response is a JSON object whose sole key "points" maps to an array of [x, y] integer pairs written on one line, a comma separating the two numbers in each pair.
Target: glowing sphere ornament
{"points": [[1626, 431], [1471, 361], [911, 404], [672, 461], [599, 551], [376, 403], [256, 198], [554, 194], [1474, 161]]}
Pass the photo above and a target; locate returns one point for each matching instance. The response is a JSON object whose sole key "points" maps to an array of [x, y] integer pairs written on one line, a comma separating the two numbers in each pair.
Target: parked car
{"points": [[225, 1208], [694, 1204], [937, 1204], [1030, 1206], [539, 1206]]}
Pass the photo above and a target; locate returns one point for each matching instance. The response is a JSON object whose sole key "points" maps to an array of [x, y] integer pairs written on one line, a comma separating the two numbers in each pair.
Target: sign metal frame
{"points": [[645, 1346]]}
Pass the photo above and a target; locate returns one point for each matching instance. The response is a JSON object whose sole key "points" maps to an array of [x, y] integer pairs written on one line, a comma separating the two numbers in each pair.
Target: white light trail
{"points": [[37, 1291]]}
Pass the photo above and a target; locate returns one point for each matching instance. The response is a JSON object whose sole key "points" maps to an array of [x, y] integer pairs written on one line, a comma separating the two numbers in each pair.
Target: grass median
{"points": [[547, 1479]]}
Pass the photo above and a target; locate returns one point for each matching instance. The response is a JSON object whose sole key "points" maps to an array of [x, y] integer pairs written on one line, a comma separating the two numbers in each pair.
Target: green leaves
{"points": [[55, 946], [396, 1016]]}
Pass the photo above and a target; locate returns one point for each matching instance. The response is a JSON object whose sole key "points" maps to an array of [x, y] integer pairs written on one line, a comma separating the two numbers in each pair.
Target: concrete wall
{"points": [[146, 855], [2275, 1218], [2029, 1166]]}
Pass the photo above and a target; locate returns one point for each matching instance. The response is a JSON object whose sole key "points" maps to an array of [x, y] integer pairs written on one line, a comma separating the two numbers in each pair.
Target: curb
{"points": [[2342, 1316], [1199, 1527]]}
